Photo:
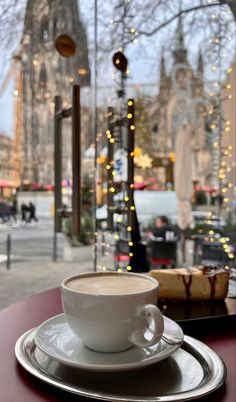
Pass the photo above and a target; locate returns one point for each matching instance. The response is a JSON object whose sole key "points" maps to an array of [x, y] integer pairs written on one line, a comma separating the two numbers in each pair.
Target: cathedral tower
{"points": [[180, 51], [181, 91], [46, 74]]}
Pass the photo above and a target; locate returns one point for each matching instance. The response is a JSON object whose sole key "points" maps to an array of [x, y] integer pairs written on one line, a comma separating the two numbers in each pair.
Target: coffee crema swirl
{"points": [[110, 284]]}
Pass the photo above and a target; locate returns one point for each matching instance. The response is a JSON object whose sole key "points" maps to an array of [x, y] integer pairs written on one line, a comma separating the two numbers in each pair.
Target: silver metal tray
{"points": [[193, 371]]}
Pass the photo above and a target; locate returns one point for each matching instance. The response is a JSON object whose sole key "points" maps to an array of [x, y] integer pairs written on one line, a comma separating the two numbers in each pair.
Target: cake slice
{"points": [[191, 284]]}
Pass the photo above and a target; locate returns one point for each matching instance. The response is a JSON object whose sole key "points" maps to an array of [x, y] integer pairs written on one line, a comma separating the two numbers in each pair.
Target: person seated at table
{"points": [[163, 229]]}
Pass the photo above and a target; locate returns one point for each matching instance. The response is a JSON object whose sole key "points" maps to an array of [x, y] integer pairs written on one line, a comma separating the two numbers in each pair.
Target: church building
{"points": [[45, 74], [182, 97]]}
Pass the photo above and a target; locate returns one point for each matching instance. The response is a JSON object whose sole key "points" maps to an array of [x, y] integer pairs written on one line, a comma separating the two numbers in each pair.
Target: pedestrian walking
{"points": [[24, 210], [32, 213], [13, 209]]}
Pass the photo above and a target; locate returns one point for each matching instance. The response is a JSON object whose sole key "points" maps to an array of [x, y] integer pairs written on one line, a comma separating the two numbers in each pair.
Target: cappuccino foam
{"points": [[110, 284]]}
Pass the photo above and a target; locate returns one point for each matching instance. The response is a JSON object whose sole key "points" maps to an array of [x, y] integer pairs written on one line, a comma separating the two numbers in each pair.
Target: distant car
{"points": [[208, 218], [203, 218], [150, 204]]}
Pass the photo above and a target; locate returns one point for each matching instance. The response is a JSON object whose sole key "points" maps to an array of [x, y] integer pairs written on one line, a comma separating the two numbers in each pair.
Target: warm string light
{"points": [[105, 244], [223, 241], [223, 128], [128, 205]]}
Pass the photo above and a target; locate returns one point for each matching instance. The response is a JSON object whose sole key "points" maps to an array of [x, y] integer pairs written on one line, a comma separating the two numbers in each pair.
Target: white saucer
{"points": [[55, 339]]}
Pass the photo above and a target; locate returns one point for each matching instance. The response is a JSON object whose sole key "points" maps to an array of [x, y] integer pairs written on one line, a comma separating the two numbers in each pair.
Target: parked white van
{"points": [[149, 204]]}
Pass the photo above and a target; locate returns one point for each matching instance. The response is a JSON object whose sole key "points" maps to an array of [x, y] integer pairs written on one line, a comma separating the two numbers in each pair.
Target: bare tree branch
{"points": [[176, 16]]}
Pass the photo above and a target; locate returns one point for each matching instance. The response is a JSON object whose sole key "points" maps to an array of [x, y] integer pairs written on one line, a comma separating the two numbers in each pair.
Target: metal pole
{"points": [[110, 156], [55, 246], [8, 251], [130, 173], [95, 134], [57, 173], [76, 162], [103, 244]]}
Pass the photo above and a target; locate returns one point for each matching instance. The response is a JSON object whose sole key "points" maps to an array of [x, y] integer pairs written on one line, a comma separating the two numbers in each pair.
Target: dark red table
{"points": [[16, 385]]}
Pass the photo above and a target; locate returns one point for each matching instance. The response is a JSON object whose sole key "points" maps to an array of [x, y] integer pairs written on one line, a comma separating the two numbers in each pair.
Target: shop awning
{"points": [[7, 184]]}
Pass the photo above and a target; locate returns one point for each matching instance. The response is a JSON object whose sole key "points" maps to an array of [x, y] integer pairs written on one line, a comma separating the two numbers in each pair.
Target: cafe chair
{"points": [[162, 253]]}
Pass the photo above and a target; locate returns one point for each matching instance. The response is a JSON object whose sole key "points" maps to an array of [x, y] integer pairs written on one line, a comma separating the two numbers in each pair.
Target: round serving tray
{"points": [[193, 371]]}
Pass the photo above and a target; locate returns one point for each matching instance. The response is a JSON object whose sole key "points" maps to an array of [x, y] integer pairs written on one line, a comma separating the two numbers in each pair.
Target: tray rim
{"points": [[213, 361]]}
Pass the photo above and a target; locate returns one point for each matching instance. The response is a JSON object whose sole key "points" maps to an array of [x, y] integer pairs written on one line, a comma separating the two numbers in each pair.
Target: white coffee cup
{"points": [[110, 311]]}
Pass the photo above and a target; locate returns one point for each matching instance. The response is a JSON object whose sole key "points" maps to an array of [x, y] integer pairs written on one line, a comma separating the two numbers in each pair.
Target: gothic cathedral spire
{"points": [[180, 51]]}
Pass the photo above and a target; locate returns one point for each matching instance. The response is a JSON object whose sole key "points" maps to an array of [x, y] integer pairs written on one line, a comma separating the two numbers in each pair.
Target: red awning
{"points": [[49, 187], [207, 189], [36, 186], [139, 186], [6, 184]]}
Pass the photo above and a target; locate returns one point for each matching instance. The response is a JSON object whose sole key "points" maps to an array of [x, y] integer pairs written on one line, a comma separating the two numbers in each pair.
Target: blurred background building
{"points": [[165, 111], [45, 74], [7, 168]]}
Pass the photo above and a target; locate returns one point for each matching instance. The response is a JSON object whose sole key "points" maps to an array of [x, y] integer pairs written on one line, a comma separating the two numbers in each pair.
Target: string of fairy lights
{"points": [[222, 154], [124, 221]]}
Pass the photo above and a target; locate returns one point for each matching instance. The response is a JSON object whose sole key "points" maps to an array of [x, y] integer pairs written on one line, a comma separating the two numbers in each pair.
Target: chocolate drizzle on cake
{"points": [[212, 280], [210, 272], [187, 280]]}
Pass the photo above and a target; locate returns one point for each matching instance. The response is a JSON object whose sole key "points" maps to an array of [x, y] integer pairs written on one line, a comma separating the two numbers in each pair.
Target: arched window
{"points": [[58, 24], [43, 77], [44, 34], [55, 27], [35, 130]]}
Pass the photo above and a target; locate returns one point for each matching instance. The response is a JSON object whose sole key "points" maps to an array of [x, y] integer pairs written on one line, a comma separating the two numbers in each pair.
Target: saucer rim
{"points": [[109, 367]]}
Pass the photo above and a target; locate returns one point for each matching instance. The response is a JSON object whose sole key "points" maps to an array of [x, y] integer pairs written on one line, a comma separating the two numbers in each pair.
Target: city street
{"points": [[32, 268], [31, 242]]}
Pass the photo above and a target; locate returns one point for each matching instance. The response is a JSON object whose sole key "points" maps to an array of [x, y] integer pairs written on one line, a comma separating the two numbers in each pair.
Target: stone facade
{"points": [[6, 161], [228, 162], [179, 91], [45, 74]]}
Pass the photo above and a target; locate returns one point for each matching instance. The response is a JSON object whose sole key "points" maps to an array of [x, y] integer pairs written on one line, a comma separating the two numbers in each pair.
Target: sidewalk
{"points": [[27, 278]]}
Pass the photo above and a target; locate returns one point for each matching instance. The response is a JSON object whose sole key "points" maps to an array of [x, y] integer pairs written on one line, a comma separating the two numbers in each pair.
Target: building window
{"points": [[58, 25], [44, 35], [43, 77]]}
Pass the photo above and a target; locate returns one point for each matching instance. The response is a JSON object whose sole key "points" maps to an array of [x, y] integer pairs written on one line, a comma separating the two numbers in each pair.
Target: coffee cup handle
{"points": [[137, 338]]}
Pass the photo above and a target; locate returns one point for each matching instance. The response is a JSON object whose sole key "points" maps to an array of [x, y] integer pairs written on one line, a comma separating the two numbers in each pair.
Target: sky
{"points": [[144, 56]]}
